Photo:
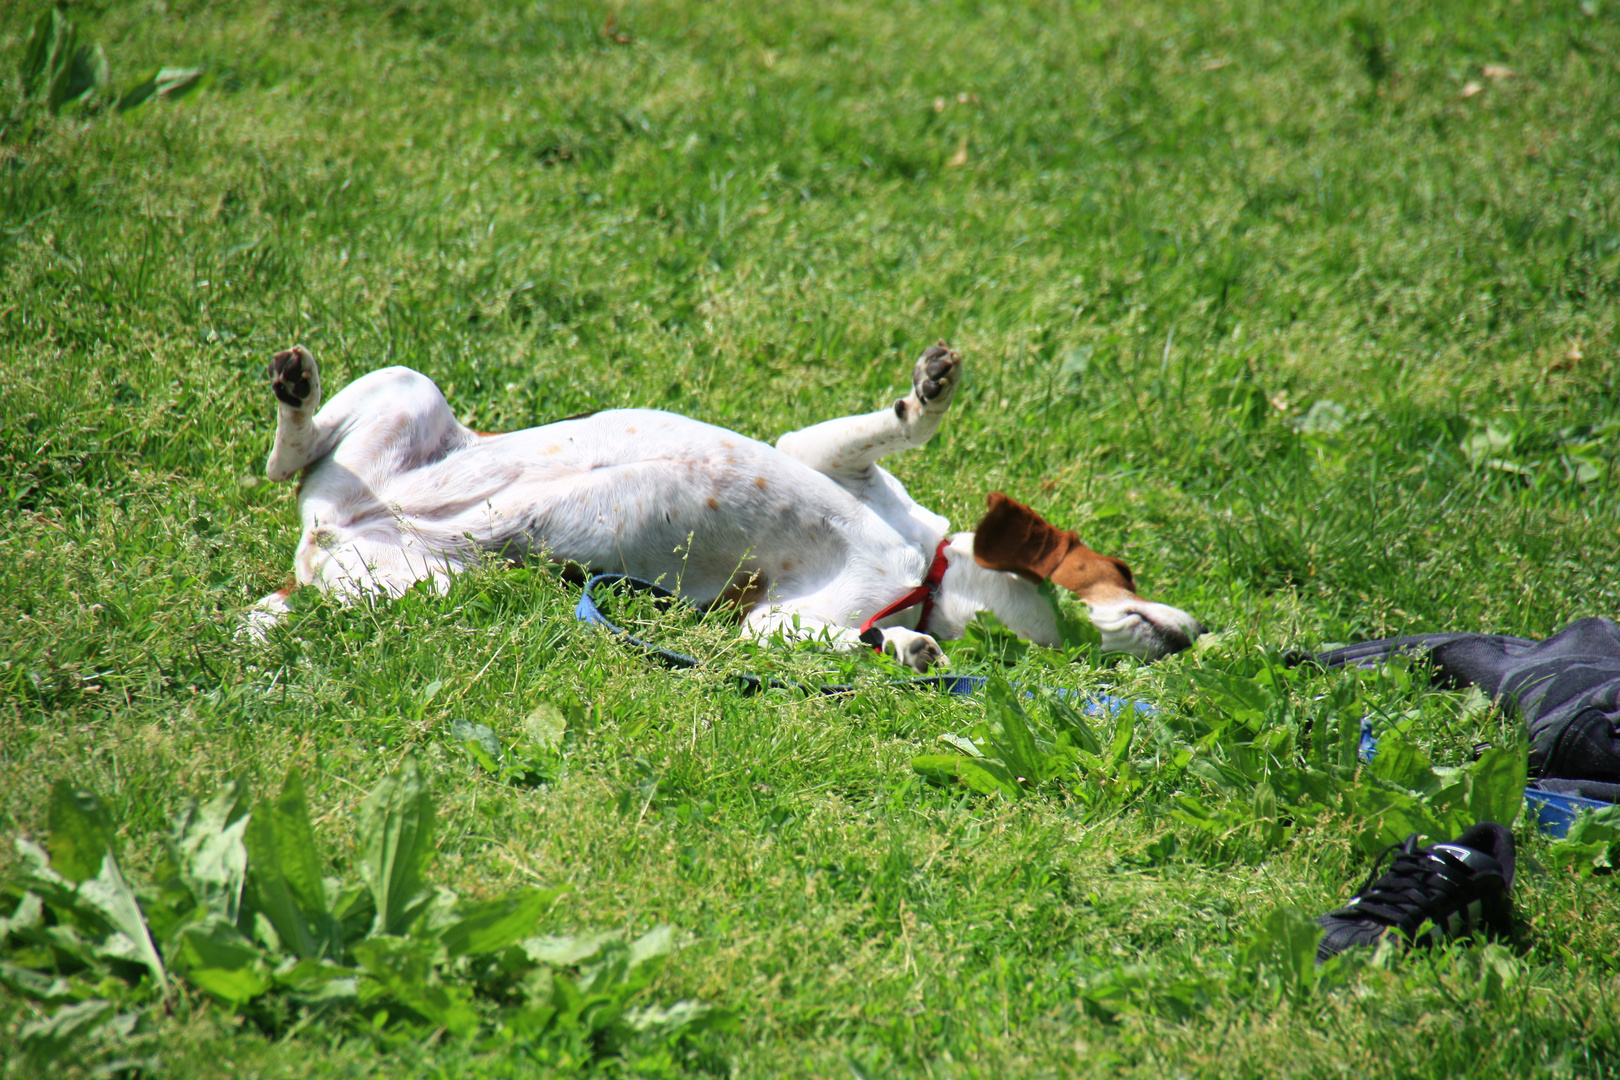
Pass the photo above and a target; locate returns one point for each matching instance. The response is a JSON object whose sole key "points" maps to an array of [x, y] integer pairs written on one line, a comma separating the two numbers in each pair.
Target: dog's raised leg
{"points": [[296, 381], [848, 447], [363, 537]]}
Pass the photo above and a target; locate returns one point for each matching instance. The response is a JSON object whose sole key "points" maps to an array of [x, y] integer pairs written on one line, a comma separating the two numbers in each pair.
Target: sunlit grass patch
{"points": [[1306, 312]]}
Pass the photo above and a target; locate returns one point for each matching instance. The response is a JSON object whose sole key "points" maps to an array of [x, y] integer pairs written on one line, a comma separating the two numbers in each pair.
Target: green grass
{"points": [[1258, 297]]}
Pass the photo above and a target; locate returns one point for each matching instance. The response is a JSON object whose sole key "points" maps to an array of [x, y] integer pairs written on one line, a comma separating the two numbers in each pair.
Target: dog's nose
{"points": [[1175, 638]]}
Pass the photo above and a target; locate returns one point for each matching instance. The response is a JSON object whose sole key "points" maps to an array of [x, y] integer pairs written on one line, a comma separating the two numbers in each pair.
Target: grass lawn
{"points": [[1307, 311]]}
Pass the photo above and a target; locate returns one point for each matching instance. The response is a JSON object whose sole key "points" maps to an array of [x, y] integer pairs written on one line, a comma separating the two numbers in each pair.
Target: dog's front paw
{"points": [[294, 378], [934, 379], [919, 652]]}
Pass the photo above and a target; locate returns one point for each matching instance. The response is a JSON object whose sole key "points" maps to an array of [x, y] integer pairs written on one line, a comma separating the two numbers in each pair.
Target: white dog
{"points": [[808, 537]]}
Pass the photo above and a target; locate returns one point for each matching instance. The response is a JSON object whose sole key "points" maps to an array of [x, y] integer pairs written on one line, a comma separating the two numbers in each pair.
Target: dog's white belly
{"points": [[658, 496]]}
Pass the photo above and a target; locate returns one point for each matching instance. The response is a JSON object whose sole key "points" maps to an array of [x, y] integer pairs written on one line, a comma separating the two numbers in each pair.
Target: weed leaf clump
{"points": [[1030, 739], [240, 912], [56, 69]]}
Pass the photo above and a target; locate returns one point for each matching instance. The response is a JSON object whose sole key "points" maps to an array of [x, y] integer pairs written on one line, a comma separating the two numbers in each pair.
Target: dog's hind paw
{"points": [[262, 617], [935, 376], [294, 378]]}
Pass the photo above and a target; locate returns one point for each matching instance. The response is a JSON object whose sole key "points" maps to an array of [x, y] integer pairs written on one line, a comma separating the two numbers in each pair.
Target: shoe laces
{"points": [[1414, 881]]}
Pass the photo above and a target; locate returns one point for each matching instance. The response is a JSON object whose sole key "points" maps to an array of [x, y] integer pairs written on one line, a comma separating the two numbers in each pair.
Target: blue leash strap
{"points": [[587, 610]]}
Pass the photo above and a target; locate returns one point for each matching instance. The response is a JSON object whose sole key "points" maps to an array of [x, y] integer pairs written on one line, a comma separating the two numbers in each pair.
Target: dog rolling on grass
{"points": [[806, 538]]}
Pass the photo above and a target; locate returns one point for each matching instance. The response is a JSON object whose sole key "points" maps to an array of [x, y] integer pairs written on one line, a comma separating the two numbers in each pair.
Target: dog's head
{"points": [[1013, 538]]}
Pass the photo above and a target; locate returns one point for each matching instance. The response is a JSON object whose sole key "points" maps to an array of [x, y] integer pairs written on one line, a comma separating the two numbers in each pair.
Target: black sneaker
{"points": [[1455, 888]]}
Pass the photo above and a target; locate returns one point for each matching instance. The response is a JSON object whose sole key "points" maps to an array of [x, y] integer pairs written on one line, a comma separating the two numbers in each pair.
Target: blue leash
{"points": [[588, 611]]}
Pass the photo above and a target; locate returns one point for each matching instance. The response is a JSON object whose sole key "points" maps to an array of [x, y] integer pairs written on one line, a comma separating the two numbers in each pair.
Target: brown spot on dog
{"points": [[629, 431], [745, 592], [714, 503], [1012, 537], [786, 566], [761, 483]]}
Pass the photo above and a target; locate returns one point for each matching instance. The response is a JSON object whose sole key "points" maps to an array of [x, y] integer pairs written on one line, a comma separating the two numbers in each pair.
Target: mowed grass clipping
{"points": [[1306, 311]]}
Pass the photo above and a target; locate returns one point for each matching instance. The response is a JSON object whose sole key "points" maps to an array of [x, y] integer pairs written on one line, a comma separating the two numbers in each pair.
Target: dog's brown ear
{"points": [[1014, 538]]}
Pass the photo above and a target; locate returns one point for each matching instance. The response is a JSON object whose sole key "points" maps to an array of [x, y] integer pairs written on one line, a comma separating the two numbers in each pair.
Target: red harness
{"points": [[923, 594]]}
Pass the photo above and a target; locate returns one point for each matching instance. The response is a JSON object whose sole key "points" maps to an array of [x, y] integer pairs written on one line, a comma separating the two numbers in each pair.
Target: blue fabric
{"points": [[1556, 810]]}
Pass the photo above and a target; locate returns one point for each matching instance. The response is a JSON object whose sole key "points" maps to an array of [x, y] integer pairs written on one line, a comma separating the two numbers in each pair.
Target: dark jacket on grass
{"points": [[1567, 690]]}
